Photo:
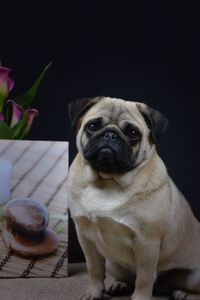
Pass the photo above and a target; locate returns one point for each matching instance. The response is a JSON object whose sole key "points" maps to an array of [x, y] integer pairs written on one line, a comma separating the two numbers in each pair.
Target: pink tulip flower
{"points": [[17, 112], [6, 84]]}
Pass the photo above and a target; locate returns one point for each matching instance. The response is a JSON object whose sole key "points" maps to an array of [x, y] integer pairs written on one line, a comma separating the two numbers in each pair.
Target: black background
{"points": [[146, 51]]}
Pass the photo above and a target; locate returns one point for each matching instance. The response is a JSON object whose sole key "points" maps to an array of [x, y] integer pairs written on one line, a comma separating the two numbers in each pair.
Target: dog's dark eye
{"points": [[131, 132], [93, 126]]}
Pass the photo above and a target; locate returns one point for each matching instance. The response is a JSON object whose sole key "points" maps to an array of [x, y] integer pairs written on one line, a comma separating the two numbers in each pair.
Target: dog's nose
{"points": [[110, 136]]}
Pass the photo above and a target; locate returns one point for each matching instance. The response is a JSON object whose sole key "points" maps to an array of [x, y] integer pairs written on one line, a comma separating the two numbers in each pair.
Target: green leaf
{"points": [[59, 216], [59, 226], [26, 99], [17, 130], [3, 93], [5, 131], [8, 114], [1, 214]]}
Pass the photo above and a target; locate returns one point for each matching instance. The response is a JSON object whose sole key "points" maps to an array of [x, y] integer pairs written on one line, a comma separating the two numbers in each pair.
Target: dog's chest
{"points": [[101, 214], [111, 238], [102, 197]]}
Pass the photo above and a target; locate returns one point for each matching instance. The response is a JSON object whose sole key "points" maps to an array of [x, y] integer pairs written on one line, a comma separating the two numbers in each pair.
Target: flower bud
{"points": [[6, 84]]}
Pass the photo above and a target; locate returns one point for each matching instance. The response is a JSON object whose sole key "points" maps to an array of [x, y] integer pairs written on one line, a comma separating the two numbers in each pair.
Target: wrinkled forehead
{"points": [[115, 111]]}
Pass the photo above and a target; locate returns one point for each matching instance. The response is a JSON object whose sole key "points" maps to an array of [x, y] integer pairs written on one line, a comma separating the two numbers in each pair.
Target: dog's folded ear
{"points": [[79, 107], [155, 120]]}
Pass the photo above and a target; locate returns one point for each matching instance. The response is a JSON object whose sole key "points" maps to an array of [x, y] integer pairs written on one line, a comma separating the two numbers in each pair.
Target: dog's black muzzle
{"points": [[109, 153]]}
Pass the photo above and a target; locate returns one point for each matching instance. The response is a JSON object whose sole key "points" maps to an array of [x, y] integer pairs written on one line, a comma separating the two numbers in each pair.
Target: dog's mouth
{"points": [[115, 157], [105, 160]]}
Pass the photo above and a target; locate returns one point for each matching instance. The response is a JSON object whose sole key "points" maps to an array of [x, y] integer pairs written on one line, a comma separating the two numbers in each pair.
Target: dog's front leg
{"points": [[146, 259], [96, 269]]}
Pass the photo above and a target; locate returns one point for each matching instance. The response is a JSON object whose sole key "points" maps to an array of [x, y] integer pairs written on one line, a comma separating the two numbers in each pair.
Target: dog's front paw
{"points": [[90, 296], [184, 295], [119, 288], [179, 295]]}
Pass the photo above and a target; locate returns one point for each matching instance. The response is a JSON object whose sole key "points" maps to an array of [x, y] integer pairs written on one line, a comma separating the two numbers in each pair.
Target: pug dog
{"points": [[130, 218]]}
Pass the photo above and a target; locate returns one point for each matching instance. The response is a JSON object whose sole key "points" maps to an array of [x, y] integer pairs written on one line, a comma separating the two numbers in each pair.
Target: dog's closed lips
{"points": [[105, 155]]}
